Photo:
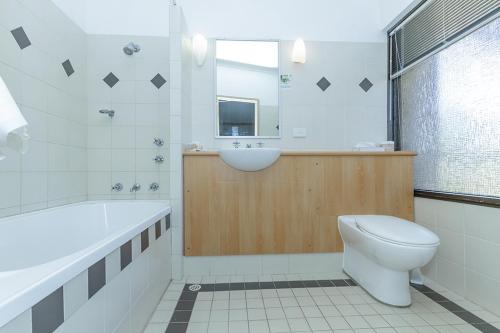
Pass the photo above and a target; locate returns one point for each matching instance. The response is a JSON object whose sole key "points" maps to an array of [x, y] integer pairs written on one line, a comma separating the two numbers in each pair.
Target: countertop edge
{"points": [[317, 153]]}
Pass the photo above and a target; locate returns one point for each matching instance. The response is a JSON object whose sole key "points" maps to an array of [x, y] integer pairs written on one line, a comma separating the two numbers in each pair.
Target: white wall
{"points": [[119, 17], [53, 171], [391, 10], [319, 20], [337, 118], [467, 259]]}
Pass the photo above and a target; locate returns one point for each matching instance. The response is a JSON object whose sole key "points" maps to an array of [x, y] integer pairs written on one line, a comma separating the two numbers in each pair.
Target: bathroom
{"points": [[249, 166]]}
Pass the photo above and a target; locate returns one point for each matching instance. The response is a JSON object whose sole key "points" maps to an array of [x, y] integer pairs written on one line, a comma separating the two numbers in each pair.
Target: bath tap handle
{"points": [[236, 144], [260, 144], [136, 187], [154, 187], [117, 187], [158, 142], [159, 159]]}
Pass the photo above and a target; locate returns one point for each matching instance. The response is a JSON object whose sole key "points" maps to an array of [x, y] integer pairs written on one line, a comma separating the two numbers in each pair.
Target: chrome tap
{"points": [[117, 187], [236, 144], [110, 113], [136, 187], [260, 144], [159, 159], [158, 142], [154, 187], [249, 145]]}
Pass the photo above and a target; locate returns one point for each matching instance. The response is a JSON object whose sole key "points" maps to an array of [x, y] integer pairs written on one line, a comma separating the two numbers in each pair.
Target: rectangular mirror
{"points": [[247, 79]]}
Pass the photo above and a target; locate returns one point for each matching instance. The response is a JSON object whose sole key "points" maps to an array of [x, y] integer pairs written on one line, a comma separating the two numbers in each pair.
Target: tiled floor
{"points": [[240, 305]]}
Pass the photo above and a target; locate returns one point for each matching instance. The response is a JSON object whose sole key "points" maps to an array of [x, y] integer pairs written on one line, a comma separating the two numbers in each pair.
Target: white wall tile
{"points": [[75, 294]]}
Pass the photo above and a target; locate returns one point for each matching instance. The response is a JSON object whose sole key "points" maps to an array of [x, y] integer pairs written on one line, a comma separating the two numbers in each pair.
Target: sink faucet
{"points": [[136, 187], [260, 144], [249, 145], [236, 144]]}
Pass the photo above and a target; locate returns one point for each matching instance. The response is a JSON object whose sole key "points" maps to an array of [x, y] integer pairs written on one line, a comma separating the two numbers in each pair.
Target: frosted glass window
{"points": [[450, 115]]}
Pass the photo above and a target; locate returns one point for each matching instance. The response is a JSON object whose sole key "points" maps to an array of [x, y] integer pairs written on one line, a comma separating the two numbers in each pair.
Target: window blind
{"points": [[436, 23]]}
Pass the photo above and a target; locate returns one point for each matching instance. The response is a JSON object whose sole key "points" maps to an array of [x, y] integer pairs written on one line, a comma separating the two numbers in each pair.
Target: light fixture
{"points": [[200, 46], [299, 51]]}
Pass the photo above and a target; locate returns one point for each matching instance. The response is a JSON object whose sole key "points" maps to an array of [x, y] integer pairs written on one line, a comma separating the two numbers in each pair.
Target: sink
{"points": [[250, 159]]}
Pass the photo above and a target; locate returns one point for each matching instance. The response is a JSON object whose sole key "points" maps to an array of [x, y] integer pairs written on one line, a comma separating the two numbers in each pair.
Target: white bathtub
{"points": [[41, 251]]}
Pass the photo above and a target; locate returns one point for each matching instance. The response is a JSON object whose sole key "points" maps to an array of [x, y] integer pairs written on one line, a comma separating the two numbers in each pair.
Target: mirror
{"points": [[247, 75]]}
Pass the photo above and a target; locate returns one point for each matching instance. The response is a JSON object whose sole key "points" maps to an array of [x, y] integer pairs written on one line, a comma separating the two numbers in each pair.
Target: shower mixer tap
{"points": [[159, 142], [110, 113], [136, 187], [159, 159]]}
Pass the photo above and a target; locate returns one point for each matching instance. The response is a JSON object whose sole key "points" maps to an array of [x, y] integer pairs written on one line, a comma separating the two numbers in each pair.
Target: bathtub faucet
{"points": [[135, 188]]}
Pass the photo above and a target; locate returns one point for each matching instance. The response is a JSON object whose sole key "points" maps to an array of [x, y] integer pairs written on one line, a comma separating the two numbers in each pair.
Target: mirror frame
{"points": [[215, 99]]}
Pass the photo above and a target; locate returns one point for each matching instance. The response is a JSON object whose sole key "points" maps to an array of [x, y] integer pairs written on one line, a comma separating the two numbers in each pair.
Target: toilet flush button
{"points": [[299, 132]]}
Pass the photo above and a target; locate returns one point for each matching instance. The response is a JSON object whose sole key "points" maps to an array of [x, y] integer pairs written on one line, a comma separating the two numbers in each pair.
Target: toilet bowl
{"points": [[380, 251]]}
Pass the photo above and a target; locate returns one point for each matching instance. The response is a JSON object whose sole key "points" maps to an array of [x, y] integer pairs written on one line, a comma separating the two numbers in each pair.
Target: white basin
{"points": [[250, 159]]}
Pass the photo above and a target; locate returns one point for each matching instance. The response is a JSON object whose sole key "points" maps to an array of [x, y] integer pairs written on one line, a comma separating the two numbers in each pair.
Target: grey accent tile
{"points": [[68, 67], [75, 294], [177, 328], [111, 80], [113, 267], [21, 38], [48, 314], [96, 277], [144, 240], [158, 81], [125, 255], [366, 84], [323, 84], [181, 316], [157, 229], [136, 246], [167, 222]]}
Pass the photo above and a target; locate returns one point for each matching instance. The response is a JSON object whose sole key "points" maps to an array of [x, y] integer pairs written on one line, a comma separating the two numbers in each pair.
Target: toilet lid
{"points": [[396, 230]]}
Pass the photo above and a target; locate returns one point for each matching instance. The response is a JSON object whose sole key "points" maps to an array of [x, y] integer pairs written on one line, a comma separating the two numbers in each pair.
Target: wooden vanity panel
{"points": [[290, 207]]}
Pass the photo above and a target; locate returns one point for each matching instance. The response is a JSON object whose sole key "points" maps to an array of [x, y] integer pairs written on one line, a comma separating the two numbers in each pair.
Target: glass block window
{"points": [[449, 113]]}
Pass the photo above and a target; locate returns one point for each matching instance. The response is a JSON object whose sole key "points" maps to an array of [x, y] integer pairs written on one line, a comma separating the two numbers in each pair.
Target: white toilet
{"points": [[380, 251]]}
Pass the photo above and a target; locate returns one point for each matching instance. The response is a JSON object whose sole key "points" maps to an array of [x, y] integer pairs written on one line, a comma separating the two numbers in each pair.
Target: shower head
{"points": [[131, 48]]}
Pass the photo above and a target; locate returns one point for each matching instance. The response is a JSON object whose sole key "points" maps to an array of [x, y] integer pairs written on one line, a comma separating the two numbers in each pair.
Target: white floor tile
{"points": [[238, 314], [278, 326], [196, 328], [258, 326], [256, 314], [318, 324], [293, 312], [238, 326], [218, 327], [298, 325]]}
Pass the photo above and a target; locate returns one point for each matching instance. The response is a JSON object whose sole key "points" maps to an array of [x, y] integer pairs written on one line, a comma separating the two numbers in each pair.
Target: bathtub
{"points": [[43, 250]]}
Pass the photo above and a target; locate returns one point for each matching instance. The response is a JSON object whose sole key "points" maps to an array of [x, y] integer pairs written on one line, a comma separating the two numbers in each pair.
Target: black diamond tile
{"points": [[366, 84], [68, 67], [323, 84], [158, 81], [111, 80], [21, 38]]}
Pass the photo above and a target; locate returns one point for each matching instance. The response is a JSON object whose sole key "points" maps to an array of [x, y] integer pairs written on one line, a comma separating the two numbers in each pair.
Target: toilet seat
{"points": [[395, 230]]}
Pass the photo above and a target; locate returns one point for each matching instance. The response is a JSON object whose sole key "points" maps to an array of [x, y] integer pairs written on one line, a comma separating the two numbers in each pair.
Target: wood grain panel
{"points": [[290, 207]]}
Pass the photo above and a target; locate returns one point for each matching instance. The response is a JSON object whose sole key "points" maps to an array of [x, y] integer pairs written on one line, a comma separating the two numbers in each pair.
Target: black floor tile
{"points": [[469, 317], [185, 305], [252, 285], [237, 286], [221, 287], [180, 316], [207, 287], [325, 283], [351, 282], [296, 284], [188, 295], [340, 283], [266, 285], [177, 328], [281, 284], [311, 284]]}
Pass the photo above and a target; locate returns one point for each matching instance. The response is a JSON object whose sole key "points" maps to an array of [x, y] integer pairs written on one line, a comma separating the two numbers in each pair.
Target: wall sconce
{"points": [[200, 46], [299, 51]]}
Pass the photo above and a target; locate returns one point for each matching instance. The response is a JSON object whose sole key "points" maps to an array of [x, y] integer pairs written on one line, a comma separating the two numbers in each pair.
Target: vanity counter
{"points": [[316, 153]]}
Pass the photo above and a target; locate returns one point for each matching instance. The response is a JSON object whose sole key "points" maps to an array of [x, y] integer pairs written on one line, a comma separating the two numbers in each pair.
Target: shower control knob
{"points": [[117, 187], [159, 159], [154, 187], [158, 142], [135, 188]]}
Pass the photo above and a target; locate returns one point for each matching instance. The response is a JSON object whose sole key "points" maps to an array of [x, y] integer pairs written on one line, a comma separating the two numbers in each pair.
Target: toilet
{"points": [[380, 251]]}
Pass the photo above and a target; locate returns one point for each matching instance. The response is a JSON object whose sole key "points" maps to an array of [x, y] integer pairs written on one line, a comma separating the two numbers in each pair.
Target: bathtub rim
{"points": [[54, 274]]}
